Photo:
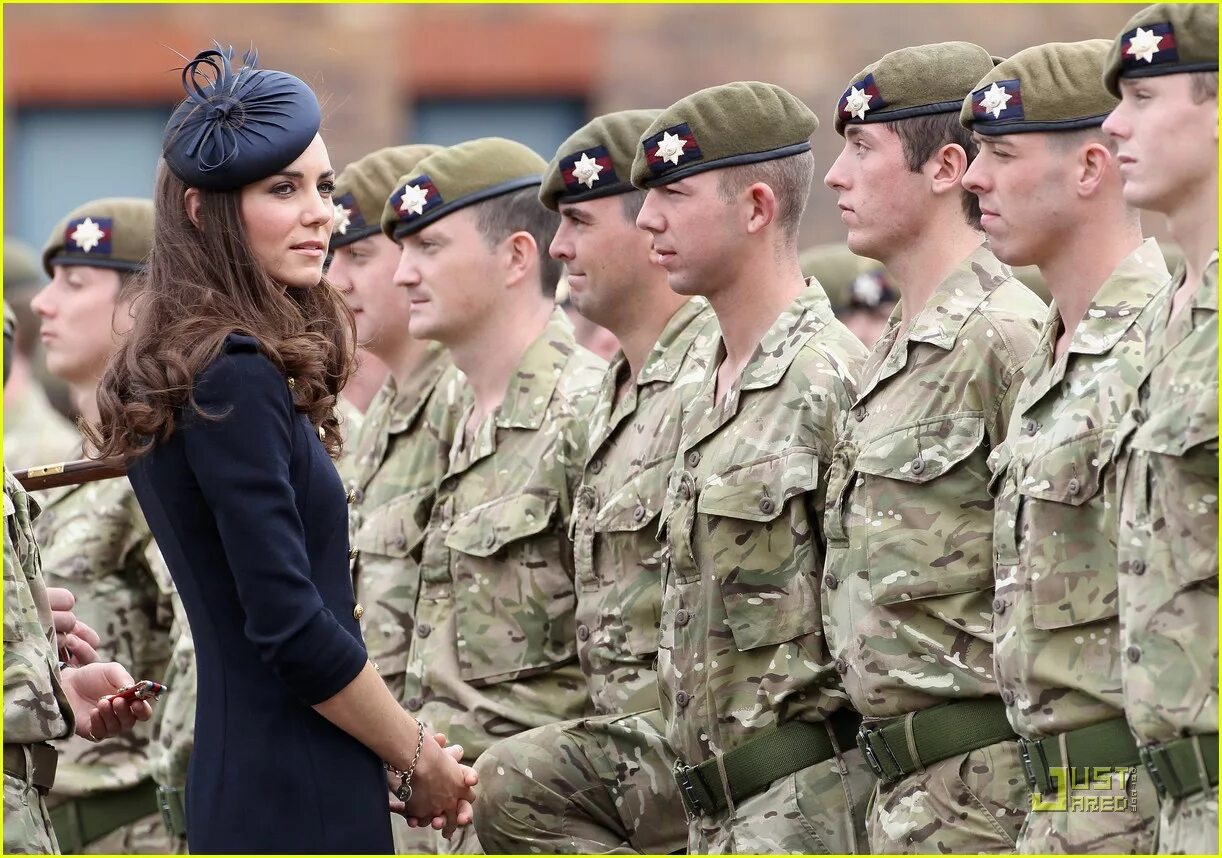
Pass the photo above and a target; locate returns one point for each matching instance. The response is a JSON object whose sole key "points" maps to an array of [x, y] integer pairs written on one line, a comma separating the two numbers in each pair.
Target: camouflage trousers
{"points": [[27, 825], [974, 802], [145, 836], [1072, 822], [593, 785], [428, 841], [1189, 826], [819, 809]]}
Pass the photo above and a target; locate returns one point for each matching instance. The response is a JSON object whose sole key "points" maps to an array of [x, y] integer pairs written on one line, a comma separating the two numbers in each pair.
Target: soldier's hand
{"points": [[98, 719], [77, 641]]}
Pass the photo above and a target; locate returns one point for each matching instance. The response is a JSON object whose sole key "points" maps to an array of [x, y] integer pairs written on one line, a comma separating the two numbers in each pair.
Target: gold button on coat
{"points": [[358, 611]]}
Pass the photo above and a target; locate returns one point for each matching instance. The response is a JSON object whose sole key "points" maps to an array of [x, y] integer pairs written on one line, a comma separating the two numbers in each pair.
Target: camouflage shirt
{"points": [[741, 644], [617, 554], [398, 458], [35, 433], [908, 588], [35, 706], [174, 715], [1169, 523], [1057, 645], [93, 539], [494, 649]]}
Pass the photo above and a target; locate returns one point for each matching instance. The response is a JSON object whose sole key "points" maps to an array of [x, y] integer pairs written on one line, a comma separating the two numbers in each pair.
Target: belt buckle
{"points": [[865, 742], [1039, 784], [1146, 754], [167, 812], [683, 776]]}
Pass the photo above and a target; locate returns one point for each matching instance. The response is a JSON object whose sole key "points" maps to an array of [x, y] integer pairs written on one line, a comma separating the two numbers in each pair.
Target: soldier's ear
{"points": [[192, 202]]}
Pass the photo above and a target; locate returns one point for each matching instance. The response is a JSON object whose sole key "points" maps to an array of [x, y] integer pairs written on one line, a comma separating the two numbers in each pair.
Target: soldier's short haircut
{"points": [[1204, 86], [790, 178], [631, 203], [922, 136], [1067, 141], [520, 211]]}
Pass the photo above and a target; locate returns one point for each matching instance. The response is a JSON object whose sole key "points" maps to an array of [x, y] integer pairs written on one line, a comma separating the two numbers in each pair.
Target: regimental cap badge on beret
{"points": [[920, 80], [236, 127], [109, 233], [596, 160], [456, 177], [1052, 87], [363, 187], [745, 122], [1166, 38]]}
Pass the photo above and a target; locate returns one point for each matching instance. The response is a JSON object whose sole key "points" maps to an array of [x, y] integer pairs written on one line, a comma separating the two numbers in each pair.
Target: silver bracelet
{"points": [[404, 792]]}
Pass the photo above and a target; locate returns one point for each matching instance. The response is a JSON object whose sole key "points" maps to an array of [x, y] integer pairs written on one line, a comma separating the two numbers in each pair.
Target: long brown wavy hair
{"points": [[202, 284]]}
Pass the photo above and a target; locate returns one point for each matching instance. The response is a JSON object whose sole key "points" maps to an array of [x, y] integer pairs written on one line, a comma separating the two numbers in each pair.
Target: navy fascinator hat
{"points": [[237, 127]]}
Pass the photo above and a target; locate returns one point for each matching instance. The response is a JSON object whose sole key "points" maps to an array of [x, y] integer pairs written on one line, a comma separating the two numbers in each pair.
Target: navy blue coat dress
{"points": [[250, 516]]}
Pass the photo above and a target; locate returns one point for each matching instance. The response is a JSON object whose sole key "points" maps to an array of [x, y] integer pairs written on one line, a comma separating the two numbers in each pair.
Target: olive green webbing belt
{"points": [[904, 745]]}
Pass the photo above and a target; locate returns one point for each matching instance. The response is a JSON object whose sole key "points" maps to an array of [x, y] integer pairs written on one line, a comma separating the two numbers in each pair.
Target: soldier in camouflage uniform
{"points": [[35, 433], [393, 463], [1164, 66], [603, 784], [751, 703], [94, 536], [1053, 198], [494, 645], [40, 703], [908, 584]]}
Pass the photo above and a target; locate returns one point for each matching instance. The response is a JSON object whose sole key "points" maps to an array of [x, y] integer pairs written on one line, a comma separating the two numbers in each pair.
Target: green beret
{"points": [[1166, 38], [456, 177], [851, 282], [596, 161], [1053, 87], [22, 268], [362, 188], [738, 123], [914, 81], [116, 232]]}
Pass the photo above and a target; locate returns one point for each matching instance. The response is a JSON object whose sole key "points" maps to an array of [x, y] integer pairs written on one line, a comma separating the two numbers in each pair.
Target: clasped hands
{"points": [[442, 788]]}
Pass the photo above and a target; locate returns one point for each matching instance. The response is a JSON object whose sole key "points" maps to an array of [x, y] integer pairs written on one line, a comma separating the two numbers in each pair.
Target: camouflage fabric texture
{"points": [[397, 460], [34, 432], [908, 586], [742, 646], [1169, 544], [94, 541], [1126, 829], [617, 555], [592, 786], [494, 648], [35, 706], [1057, 647]]}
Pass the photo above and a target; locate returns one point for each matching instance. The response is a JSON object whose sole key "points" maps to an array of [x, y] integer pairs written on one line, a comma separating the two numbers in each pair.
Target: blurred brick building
{"points": [[88, 88]]}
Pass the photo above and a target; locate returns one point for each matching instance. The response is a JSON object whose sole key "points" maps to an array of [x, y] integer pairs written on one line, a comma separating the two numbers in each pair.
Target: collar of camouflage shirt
{"points": [[532, 385]]}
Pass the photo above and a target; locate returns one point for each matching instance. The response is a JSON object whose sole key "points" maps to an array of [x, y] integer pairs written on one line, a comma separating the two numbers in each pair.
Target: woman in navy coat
{"points": [[222, 400]]}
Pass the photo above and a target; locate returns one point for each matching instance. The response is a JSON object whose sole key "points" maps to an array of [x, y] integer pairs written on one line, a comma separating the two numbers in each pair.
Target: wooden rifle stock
{"points": [[70, 473]]}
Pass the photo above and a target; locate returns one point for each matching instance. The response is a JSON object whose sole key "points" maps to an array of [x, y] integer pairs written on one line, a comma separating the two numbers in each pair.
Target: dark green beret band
{"points": [[457, 177], [1052, 87], [916, 81], [1166, 38], [116, 232], [738, 123]]}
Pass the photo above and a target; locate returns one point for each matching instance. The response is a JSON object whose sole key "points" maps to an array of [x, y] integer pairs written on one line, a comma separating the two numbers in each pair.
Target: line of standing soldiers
{"points": [[752, 588]]}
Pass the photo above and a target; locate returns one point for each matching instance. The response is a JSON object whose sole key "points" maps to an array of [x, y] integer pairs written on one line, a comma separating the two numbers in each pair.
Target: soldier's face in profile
{"points": [[452, 277], [1026, 192], [1167, 141], [288, 218], [364, 273], [81, 325], [606, 257], [881, 201], [694, 233]]}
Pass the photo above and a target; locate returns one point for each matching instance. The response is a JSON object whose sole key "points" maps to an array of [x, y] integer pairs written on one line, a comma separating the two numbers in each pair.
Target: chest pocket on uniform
{"points": [[922, 507], [1176, 456], [1069, 531], [755, 530], [513, 594], [629, 521]]}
